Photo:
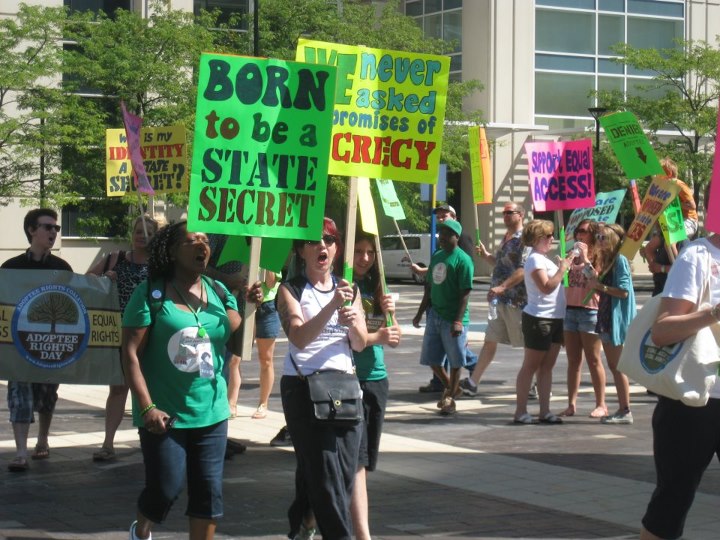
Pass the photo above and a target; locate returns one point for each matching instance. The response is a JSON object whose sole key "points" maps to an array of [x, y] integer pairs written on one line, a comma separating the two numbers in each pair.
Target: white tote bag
{"points": [[684, 371]]}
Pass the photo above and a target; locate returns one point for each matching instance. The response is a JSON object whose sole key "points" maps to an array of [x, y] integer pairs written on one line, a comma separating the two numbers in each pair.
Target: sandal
{"points": [[550, 418], [104, 454], [524, 418], [260, 412], [18, 464], [41, 452]]}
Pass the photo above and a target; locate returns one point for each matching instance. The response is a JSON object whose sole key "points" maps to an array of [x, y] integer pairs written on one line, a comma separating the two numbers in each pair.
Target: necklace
{"points": [[201, 330]]}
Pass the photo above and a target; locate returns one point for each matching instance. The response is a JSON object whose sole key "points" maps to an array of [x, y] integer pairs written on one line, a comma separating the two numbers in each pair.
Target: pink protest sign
{"points": [[133, 124], [561, 175], [712, 219]]}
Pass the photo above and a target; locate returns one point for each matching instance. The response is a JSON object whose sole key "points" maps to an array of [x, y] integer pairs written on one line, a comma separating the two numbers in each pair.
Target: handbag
{"points": [[336, 396], [684, 371]]}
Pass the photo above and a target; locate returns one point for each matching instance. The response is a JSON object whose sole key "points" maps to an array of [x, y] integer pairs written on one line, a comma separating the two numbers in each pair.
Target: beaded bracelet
{"points": [[147, 409]]}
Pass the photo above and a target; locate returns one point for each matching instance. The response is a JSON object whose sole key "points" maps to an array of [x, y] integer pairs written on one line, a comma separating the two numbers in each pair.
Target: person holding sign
{"points": [[322, 318], [128, 269], [175, 328], [371, 370], [687, 199], [581, 319], [41, 229], [616, 310], [445, 302], [542, 321], [508, 288]]}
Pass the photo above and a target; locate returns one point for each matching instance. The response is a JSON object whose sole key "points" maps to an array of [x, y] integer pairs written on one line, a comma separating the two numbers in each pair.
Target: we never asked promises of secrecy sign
{"points": [[389, 110], [262, 139], [561, 175], [164, 154]]}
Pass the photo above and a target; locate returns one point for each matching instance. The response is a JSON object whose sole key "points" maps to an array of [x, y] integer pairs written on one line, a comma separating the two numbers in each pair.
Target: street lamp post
{"points": [[596, 113]]}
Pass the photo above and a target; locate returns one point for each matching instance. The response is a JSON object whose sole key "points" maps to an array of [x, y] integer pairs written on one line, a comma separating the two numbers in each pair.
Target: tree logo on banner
{"points": [[50, 326]]}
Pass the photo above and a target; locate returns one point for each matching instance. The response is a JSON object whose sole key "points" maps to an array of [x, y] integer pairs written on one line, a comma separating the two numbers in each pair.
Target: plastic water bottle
{"points": [[492, 309]]}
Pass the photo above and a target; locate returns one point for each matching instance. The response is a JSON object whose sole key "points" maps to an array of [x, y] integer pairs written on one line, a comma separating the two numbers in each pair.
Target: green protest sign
{"points": [[389, 199], [261, 147], [631, 145], [273, 253], [672, 223]]}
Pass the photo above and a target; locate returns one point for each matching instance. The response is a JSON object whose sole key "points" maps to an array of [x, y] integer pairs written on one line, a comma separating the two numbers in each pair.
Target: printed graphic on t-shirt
{"points": [[189, 353], [439, 273]]}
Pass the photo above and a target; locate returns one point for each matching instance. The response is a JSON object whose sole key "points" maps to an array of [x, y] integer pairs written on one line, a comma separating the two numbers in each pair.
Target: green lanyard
{"points": [[201, 331]]}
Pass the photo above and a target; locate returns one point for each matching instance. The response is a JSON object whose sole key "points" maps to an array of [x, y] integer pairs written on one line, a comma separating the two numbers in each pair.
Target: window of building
{"points": [[574, 54], [228, 9], [96, 6], [441, 19]]}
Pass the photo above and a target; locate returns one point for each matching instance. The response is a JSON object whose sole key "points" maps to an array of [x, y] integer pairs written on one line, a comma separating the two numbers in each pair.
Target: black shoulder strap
{"points": [[296, 285], [219, 289]]}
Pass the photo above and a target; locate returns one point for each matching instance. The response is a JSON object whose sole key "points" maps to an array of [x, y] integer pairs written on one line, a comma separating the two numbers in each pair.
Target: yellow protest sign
{"points": [[164, 153], [482, 183], [389, 110], [659, 195], [367, 208]]}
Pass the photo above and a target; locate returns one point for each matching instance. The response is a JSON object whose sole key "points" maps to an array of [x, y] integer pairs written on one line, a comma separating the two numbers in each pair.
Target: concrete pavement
{"points": [[472, 475]]}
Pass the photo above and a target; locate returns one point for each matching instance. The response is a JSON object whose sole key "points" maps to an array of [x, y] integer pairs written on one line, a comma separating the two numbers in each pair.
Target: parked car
{"points": [[395, 259]]}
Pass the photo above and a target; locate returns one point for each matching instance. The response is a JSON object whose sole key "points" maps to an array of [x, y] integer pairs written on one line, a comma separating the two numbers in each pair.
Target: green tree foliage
{"points": [[150, 64], [681, 97], [29, 66]]}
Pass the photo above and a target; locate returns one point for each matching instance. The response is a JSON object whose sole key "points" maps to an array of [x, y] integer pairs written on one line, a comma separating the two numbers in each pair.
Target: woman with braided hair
{"points": [[175, 329]]}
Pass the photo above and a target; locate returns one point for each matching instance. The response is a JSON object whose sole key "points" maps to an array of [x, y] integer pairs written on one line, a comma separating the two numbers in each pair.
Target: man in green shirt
{"points": [[447, 291]]}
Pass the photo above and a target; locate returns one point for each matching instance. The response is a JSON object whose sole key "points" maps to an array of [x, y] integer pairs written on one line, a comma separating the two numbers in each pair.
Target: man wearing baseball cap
{"points": [[445, 302]]}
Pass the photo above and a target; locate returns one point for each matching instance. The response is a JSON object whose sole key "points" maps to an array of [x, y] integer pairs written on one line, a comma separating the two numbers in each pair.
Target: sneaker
{"points": [[431, 388], [448, 406], [306, 533], [532, 394], [133, 536], [468, 388], [282, 438], [620, 417]]}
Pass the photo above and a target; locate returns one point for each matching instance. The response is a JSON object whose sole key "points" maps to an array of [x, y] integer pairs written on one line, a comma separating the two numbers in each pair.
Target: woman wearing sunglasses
{"points": [[323, 319], [581, 319], [616, 310], [542, 321]]}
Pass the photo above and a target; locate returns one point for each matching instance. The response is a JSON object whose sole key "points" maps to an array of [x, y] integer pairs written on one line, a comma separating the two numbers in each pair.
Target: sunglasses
{"points": [[510, 212], [549, 236], [329, 240], [601, 237], [49, 227], [584, 231]]}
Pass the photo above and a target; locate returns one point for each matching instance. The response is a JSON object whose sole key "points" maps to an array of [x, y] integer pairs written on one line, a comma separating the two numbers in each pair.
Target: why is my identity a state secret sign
{"points": [[261, 147]]}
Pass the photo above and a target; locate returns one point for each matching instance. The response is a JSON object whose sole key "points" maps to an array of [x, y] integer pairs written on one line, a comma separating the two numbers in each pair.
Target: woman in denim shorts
{"points": [[267, 329], [581, 319]]}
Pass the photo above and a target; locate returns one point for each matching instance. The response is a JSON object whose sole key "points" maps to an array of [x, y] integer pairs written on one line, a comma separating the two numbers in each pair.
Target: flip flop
{"points": [[104, 454], [41, 452], [18, 464], [260, 412]]}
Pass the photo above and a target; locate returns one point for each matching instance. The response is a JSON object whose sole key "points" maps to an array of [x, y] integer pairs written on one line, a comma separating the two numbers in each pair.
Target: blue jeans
{"points": [[438, 342], [199, 455]]}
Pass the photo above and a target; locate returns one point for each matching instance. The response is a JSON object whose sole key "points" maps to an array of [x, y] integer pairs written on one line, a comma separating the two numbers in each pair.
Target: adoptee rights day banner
{"points": [[261, 147], [631, 145], [59, 327], [660, 194], [482, 184], [389, 110], [561, 174], [164, 154], [607, 206]]}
